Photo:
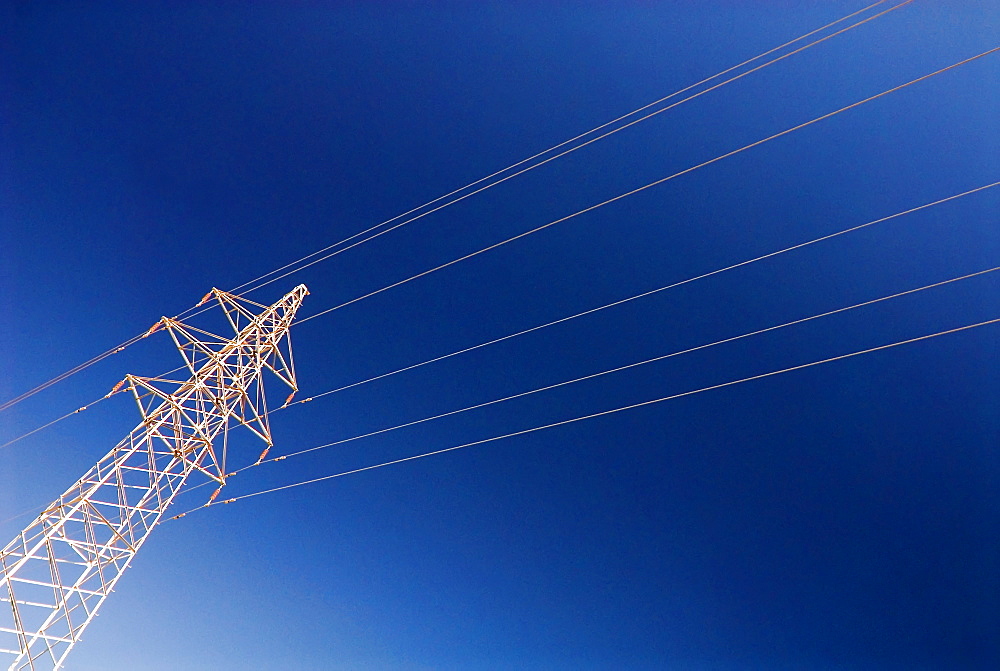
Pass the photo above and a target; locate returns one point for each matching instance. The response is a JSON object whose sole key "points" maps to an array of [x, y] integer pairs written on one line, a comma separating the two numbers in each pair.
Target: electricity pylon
{"points": [[58, 571]]}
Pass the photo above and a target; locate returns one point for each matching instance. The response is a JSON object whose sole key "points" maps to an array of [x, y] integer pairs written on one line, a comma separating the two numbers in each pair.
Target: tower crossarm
{"points": [[59, 570]]}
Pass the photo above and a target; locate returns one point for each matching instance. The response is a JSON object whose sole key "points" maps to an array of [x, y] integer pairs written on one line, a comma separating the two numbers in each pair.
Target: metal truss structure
{"points": [[58, 571]]}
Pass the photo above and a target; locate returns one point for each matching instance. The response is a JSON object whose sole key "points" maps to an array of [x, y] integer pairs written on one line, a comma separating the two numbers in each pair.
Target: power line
{"points": [[615, 370], [597, 414], [27, 511], [59, 378], [53, 422], [575, 148], [647, 186], [652, 360], [570, 317], [72, 371], [562, 319], [86, 364], [116, 389], [648, 293]]}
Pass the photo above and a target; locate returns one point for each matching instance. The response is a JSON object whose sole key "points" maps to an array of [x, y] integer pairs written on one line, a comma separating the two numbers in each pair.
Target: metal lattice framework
{"points": [[58, 571]]}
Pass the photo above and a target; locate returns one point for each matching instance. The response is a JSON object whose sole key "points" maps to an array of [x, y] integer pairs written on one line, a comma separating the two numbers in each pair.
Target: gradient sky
{"points": [[846, 516]]}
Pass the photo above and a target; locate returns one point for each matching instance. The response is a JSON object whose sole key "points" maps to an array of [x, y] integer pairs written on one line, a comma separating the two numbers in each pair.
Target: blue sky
{"points": [[841, 517]]}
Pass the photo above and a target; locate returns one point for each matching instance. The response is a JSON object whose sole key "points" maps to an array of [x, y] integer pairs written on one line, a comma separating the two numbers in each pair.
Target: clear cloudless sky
{"points": [[842, 517]]}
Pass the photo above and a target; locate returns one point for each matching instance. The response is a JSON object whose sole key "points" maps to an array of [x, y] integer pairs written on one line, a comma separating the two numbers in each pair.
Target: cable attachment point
{"points": [[115, 389], [205, 298], [154, 328]]}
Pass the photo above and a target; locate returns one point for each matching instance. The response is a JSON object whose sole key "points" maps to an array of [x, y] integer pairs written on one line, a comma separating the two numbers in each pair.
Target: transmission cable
{"points": [[571, 150], [578, 137], [561, 320], [14, 401], [90, 362], [645, 293], [652, 360], [592, 376], [647, 186], [72, 371], [602, 413]]}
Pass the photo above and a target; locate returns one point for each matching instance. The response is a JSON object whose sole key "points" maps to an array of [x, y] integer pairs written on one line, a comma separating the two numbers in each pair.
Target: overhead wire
{"points": [[645, 294], [72, 371], [594, 415], [568, 318], [662, 357], [63, 376], [617, 369], [53, 422], [572, 420], [27, 511], [59, 378], [571, 140], [579, 146], [153, 329], [649, 185], [86, 364], [555, 322]]}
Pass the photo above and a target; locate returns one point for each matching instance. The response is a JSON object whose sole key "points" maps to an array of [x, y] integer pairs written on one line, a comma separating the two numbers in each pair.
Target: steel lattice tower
{"points": [[58, 571]]}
